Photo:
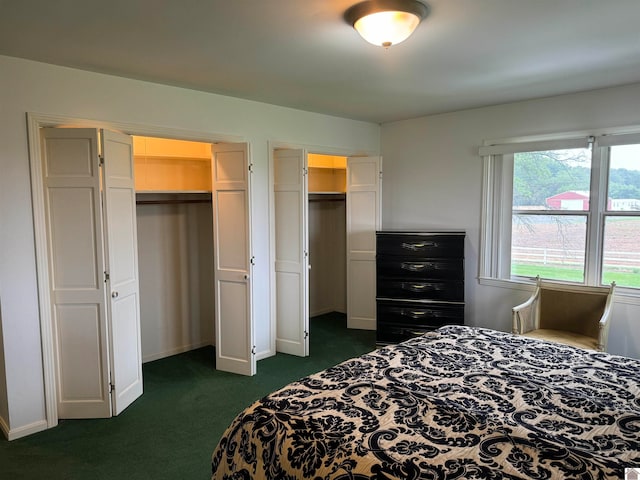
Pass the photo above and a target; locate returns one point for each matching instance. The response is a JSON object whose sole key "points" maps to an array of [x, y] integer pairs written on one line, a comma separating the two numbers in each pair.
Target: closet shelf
{"points": [[156, 197], [173, 192], [171, 157], [326, 196], [331, 167]]}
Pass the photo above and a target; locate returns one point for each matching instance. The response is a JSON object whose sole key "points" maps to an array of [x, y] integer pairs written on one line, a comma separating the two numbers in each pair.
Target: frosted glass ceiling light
{"points": [[386, 22]]}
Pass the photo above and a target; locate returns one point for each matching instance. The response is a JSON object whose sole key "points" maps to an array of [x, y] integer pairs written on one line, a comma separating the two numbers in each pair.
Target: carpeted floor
{"points": [[171, 431]]}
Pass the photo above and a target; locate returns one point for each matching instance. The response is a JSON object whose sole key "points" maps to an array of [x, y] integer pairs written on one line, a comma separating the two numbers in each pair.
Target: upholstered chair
{"points": [[575, 315]]}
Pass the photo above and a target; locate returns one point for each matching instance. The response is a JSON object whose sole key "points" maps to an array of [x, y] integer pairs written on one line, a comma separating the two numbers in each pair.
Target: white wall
{"points": [[175, 265], [432, 178], [27, 86], [327, 256]]}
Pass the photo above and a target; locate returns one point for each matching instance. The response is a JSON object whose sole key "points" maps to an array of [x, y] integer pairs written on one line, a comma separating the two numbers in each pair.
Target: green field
{"points": [[622, 279]]}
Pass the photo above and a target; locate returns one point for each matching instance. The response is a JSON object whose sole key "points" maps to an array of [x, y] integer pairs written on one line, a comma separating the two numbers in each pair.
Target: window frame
{"points": [[494, 266]]}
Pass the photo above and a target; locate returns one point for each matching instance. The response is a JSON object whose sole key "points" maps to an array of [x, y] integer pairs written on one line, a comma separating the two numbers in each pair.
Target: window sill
{"points": [[629, 296]]}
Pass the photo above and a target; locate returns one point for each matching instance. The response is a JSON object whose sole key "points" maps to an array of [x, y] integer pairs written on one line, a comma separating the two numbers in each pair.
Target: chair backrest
{"points": [[573, 308]]}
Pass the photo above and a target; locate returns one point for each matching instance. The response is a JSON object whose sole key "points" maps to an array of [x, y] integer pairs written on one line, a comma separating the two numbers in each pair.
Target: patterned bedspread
{"points": [[459, 403]]}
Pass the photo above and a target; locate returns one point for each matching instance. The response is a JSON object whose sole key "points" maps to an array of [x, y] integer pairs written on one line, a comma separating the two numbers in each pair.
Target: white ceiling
{"points": [[301, 53]]}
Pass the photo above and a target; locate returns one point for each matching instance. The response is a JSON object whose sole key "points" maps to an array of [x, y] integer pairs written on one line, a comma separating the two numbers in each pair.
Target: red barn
{"points": [[571, 200]]}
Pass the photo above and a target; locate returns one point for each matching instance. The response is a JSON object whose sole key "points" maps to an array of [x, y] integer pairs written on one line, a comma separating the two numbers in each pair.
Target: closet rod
{"points": [[168, 202], [326, 199]]}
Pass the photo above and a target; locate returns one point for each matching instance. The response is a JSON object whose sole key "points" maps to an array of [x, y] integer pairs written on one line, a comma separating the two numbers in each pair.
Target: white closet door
{"points": [[122, 254], [235, 351], [71, 175], [363, 219], [291, 252]]}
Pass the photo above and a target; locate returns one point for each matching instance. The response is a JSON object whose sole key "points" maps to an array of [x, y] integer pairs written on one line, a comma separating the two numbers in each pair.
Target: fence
{"points": [[559, 256]]}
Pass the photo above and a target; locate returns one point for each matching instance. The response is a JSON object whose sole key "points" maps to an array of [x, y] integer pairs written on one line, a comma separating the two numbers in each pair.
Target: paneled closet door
{"points": [[363, 219], [235, 351], [291, 252], [71, 173], [122, 253]]}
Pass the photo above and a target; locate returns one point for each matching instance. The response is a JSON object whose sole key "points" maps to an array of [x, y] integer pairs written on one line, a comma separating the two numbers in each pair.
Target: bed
{"points": [[457, 403]]}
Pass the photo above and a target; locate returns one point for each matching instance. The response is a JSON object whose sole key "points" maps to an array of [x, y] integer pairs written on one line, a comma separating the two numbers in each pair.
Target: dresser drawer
{"points": [[391, 333], [392, 266], [432, 315], [446, 290], [425, 246]]}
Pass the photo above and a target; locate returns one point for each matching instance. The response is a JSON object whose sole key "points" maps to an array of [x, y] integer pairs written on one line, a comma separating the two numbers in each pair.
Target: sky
{"points": [[626, 156]]}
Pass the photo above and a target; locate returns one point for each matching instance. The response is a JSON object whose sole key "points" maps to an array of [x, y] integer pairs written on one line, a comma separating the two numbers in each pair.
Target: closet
{"points": [[175, 245], [92, 280], [327, 184], [326, 211], [195, 251]]}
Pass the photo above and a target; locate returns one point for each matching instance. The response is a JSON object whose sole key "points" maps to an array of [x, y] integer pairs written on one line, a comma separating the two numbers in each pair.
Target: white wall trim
{"points": [[322, 311], [486, 257], [264, 354], [362, 324], [622, 295], [320, 149], [36, 121], [626, 129], [55, 120], [176, 350], [30, 429], [497, 180], [272, 249]]}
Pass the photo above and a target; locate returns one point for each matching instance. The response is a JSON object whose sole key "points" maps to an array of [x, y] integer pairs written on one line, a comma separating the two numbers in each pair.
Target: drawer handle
{"points": [[415, 266], [420, 313], [419, 287], [415, 333], [417, 246], [415, 287]]}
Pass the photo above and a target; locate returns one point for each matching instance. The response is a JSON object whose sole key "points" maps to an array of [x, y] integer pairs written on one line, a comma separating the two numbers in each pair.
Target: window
{"points": [[567, 210], [550, 206], [621, 237]]}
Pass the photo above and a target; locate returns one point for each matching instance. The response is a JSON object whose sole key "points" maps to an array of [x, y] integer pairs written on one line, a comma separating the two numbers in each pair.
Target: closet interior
{"points": [[327, 180], [175, 245], [176, 248]]}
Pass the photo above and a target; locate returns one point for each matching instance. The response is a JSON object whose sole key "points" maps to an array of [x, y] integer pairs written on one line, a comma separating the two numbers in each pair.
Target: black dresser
{"points": [[420, 283]]}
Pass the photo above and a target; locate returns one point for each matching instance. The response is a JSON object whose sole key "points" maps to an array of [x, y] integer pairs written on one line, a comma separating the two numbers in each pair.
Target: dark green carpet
{"points": [[171, 431]]}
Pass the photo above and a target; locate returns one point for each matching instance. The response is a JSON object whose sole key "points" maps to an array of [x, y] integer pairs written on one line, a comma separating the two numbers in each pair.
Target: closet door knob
{"points": [[114, 294], [246, 277]]}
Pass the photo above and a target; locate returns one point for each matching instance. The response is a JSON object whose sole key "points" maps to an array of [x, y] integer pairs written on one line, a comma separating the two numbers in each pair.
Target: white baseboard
{"points": [[324, 311], [14, 434], [175, 351], [265, 354], [361, 324]]}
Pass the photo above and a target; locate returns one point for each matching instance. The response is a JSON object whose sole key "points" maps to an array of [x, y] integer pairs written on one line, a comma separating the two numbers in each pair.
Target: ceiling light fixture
{"points": [[386, 22]]}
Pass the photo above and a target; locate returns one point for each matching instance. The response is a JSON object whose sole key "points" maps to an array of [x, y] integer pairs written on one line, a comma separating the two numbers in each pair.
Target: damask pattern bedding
{"points": [[458, 403]]}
